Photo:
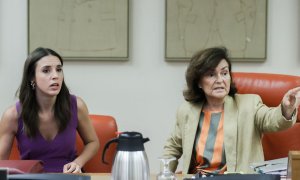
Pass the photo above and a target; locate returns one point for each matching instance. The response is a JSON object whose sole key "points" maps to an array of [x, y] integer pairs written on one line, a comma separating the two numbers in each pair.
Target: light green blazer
{"points": [[245, 119]]}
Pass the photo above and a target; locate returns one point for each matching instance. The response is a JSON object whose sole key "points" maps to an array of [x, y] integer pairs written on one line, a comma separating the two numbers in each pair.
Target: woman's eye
{"points": [[225, 73], [45, 71], [59, 70]]}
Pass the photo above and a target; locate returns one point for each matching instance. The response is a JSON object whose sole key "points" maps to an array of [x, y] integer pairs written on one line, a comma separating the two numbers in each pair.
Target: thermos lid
{"points": [[131, 141], [127, 141]]}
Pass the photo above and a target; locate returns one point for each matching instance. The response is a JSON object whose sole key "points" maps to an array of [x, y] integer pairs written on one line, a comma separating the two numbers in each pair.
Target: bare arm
{"points": [[89, 137], [8, 130]]}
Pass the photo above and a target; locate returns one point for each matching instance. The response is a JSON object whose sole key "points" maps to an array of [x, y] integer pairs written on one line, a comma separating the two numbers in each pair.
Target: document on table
{"points": [[276, 166]]}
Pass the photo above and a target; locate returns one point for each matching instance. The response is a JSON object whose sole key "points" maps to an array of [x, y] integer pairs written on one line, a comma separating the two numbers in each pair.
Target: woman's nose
{"points": [[54, 74], [219, 77]]}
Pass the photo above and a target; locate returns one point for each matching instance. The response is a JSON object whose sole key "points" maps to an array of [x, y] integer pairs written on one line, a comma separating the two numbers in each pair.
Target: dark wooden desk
{"points": [[92, 176], [106, 176]]}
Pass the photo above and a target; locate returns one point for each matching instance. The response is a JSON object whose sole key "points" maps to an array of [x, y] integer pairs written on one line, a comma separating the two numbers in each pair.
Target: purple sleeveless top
{"points": [[55, 153]]}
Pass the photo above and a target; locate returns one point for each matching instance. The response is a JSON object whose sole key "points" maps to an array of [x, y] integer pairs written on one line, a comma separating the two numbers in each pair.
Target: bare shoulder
{"points": [[82, 109], [80, 103], [10, 114], [9, 118]]}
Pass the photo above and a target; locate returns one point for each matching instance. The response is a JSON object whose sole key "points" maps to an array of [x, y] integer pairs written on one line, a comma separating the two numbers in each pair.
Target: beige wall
{"points": [[144, 92]]}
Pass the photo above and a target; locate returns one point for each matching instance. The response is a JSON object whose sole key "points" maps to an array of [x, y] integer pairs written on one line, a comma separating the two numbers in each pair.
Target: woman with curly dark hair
{"points": [[217, 129]]}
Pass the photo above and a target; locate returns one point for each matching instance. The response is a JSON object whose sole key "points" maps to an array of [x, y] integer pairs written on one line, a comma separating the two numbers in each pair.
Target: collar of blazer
{"points": [[230, 132]]}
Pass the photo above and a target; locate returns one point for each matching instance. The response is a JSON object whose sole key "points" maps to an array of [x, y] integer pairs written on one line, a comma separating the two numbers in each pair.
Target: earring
{"points": [[32, 84]]}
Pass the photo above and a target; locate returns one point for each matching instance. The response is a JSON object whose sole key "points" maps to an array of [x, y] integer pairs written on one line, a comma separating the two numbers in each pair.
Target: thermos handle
{"points": [[106, 147], [145, 140]]}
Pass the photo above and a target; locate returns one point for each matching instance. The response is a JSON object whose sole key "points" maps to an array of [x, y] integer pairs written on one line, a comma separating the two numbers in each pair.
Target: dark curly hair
{"points": [[202, 62]]}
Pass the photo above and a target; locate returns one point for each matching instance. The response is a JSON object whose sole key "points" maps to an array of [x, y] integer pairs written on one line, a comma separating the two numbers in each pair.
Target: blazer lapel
{"points": [[230, 132], [190, 133]]}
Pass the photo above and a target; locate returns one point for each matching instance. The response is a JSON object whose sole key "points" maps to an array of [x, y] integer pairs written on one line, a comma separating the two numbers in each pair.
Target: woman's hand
{"points": [[290, 102], [72, 167]]}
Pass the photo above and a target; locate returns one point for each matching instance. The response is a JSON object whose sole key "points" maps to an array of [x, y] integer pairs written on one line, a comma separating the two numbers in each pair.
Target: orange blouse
{"points": [[208, 152]]}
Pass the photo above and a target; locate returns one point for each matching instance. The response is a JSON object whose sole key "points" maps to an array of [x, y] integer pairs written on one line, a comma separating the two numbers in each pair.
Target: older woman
{"points": [[218, 130]]}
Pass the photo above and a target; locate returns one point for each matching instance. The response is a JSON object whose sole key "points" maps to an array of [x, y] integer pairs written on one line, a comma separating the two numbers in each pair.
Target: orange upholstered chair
{"points": [[271, 88], [106, 129], [14, 154]]}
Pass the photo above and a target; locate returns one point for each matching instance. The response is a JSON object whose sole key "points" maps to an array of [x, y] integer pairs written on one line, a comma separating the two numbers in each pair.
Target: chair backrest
{"points": [[106, 129], [14, 154], [271, 88]]}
